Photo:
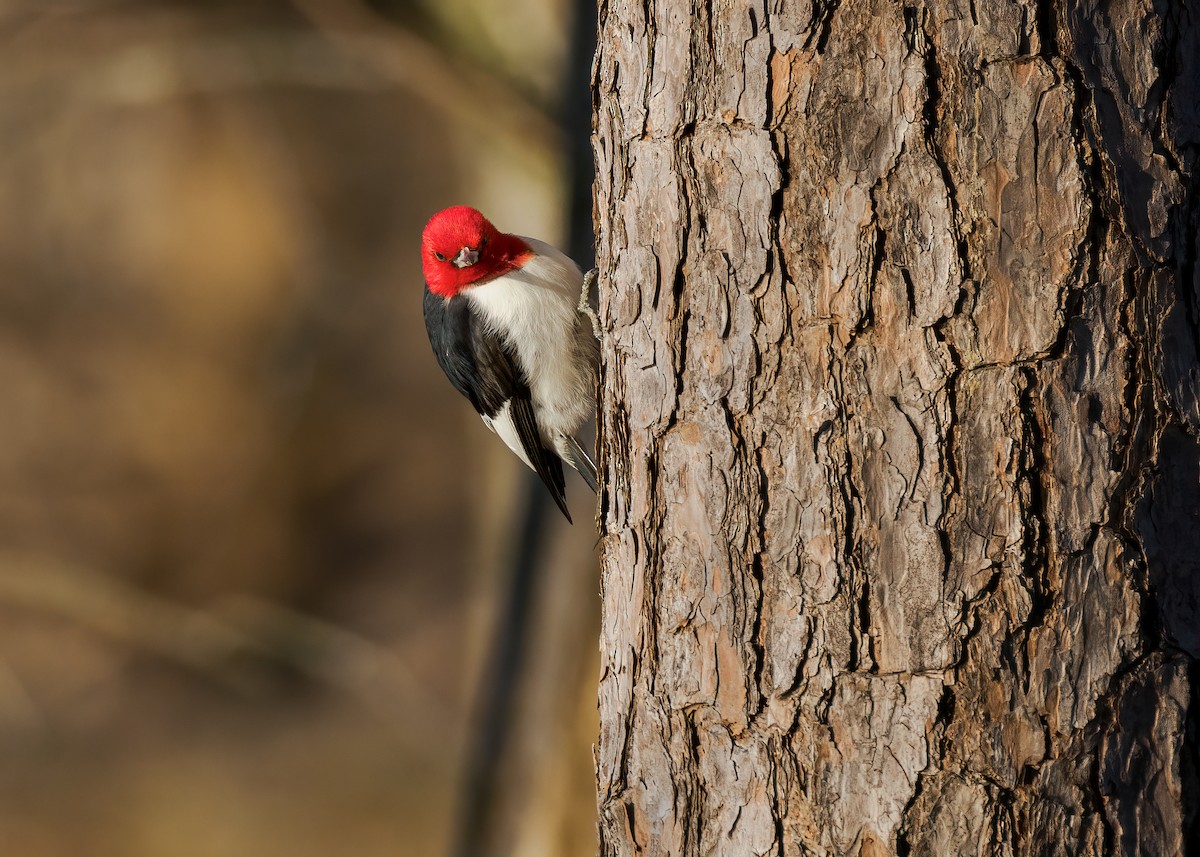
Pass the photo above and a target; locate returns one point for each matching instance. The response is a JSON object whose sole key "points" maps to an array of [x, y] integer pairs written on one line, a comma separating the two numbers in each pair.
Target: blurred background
{"points": [[255, 552]]}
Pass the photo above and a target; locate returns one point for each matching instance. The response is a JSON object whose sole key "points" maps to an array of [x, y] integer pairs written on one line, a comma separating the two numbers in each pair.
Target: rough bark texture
{"points": [[900, 424]]}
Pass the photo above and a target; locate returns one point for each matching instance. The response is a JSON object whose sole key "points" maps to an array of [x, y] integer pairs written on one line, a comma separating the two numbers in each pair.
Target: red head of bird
{"points": [[460, 248]]}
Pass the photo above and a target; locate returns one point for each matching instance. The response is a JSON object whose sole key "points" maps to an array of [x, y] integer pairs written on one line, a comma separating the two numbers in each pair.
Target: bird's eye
{"points": [[439, 257], [483, 242]]}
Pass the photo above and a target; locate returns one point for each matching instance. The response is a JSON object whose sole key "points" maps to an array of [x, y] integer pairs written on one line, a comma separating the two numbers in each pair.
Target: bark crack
{"points": [[823, 12], [931, 119]]}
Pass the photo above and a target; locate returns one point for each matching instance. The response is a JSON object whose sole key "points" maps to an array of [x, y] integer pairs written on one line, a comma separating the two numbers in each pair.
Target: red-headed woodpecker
{"points": [[509, 324]]}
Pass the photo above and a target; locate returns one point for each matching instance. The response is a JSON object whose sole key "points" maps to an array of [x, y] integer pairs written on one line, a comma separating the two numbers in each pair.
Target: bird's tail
{"points": [[583, 463]]}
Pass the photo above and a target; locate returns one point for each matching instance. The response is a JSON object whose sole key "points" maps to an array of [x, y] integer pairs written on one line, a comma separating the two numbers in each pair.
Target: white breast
{"points": [[534, 309]]}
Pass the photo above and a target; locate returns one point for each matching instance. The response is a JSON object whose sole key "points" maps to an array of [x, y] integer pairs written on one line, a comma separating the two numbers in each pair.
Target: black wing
{"points": [[483, 368]]}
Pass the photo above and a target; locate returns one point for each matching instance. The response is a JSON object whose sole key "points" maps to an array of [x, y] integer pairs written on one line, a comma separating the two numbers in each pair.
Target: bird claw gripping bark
{"points": [[585, 305]]}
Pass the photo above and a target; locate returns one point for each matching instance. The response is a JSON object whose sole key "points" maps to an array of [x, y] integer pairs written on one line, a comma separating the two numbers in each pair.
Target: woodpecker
{"points": [[510, 326]]}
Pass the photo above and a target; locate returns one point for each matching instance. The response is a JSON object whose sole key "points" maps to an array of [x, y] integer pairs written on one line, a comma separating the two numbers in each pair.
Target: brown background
{"points": [[250, 540]]}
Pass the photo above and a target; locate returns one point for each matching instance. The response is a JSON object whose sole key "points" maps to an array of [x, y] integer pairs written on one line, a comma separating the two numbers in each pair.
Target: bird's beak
{"points": [[466, 257]]}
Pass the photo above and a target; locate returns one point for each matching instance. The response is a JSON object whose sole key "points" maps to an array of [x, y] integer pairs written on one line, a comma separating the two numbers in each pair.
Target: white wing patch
{"points": [[504, 427]]}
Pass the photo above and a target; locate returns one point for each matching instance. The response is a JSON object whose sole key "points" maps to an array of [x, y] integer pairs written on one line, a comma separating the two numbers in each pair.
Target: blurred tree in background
{"points": [[250, 541]]}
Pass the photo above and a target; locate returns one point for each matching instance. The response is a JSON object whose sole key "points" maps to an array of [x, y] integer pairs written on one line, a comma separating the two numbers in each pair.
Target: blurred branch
{"points": [[337, 658], [474, 98], [488, 92], [231, 646], [477, 830], [350, 51]]}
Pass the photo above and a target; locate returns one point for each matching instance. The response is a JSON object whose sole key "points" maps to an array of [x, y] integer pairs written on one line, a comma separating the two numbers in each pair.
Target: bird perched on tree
{"points": [[510, 326]]}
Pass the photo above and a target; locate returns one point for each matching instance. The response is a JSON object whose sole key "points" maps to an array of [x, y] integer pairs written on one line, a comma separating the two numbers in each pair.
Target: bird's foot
{"points": [[585, 302]]}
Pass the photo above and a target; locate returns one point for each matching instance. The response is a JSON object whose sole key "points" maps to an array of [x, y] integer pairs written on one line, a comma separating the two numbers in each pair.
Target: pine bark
{"points": [[900, 418]]}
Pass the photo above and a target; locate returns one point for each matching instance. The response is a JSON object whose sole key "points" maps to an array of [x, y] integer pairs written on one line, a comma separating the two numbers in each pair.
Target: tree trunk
{"points": [[899, 428]]}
